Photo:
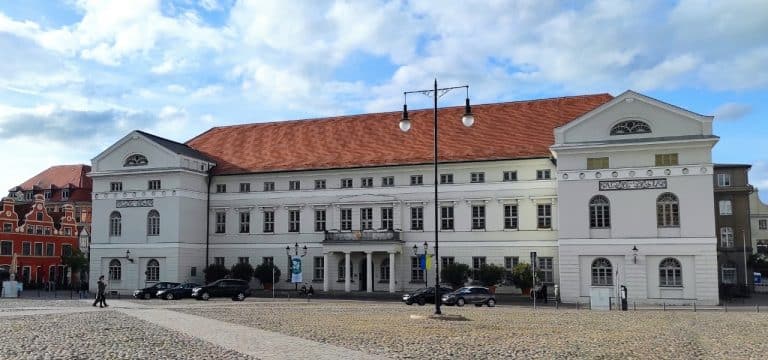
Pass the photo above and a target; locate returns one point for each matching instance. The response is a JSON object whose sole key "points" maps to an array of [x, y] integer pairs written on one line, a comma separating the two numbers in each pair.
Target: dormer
{"points": [[67, 224]]}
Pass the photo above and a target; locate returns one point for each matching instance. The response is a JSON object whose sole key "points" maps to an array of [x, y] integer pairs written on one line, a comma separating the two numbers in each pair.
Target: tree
{"points": [[215, 272], [76, 261], [243, 271], [455, 274], [491, 274], [522, 277], [264, 273]]}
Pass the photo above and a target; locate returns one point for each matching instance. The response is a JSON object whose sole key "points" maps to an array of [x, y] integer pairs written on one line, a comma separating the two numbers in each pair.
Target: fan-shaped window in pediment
{"points": [[136, 160], [630, 127]]}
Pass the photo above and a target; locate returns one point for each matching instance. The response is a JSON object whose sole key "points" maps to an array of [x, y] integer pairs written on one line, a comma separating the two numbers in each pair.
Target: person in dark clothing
{"points": [[544, 293], [311, 290], [100, 298]]}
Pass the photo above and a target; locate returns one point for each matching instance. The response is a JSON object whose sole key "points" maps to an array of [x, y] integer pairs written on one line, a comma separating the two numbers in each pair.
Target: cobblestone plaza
{"points": [[262, 329]]}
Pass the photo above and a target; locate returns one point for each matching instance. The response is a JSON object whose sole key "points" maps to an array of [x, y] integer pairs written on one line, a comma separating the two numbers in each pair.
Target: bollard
{"points": [[664, 304], [308, 296], [577, 305], [758, 308], [634, 306], [726, 307], [694, 306]]}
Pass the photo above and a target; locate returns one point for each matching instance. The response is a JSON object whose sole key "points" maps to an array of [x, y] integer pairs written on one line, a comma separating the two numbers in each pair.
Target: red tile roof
{"points": [[512, 130], [60, 176]]}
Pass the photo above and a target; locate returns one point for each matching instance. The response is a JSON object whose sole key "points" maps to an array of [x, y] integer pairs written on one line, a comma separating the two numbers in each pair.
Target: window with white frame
{"points": [[366, 182], [545, 174], [115, 270], [446, 218], [417, 179], [221, 222], [153, 185], [446, 178], [268, 260], [666, 159], [319, 219], [320, 184], [294, 221], [388, 181], [602, 272], [346, 219], [47, 194], [64, 194], [38, 249], [116, 186], [477, 177], [726, 207], [509, 264], [366, 218], [762, 246], [723, 179], [387, 218], [599, 212], [6, 248], [384, 270], [547, 269], [50, 249], [417, 218], [670, 273], [417, 273], [510, 217], [447, 260], [762, 224], [153, 223], [544, 216], [726, 237], [478, 217], [269, 221], [245, 222], [221, 188], [341, 270], [477, 263], [294, 185], [243, 260], [218, 260], [510, 176], [318, 269], [66, 250], [269, 186], [667, 210], [346, 183], [245, 187], [115, 224], [728, 273], [153, 270], [7, 227], [26, 248]]}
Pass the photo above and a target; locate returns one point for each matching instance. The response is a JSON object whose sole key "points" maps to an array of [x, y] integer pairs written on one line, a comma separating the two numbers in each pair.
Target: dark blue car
{"points": [[180, 292]]}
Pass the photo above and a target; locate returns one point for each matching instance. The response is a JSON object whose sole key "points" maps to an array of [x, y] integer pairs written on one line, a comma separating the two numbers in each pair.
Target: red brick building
{"points": [[38, 239]]}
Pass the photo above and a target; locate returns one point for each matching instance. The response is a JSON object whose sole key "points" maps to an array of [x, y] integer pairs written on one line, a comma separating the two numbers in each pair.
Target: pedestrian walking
{"points": [[100, 294]]}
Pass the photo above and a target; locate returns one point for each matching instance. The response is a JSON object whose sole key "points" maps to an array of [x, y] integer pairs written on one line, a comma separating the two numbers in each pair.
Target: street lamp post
{"points": [[295, 253], [405, 124]]}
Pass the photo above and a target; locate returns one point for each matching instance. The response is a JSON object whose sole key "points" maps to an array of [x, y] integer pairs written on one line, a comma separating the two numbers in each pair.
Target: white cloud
{"points": [[176, 89], [732, 111], [209, 5], [207, 91]]}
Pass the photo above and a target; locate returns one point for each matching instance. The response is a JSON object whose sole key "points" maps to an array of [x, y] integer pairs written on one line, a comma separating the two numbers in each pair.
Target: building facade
{"points": [[758, 217]]}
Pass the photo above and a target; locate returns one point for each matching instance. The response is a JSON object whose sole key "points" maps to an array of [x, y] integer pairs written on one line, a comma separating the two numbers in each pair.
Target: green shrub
{"points": [[215, 272], [522, 276], [490, 275], [243, 271], [455, 274], [263, 273]]}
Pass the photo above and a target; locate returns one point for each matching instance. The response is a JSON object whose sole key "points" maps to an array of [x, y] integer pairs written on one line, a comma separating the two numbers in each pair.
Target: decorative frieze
{"points": [[638, 184], [134, 203]]}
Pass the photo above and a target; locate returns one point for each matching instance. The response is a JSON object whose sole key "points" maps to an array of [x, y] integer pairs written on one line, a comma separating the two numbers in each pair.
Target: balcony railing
{"points": [[366, 235]]}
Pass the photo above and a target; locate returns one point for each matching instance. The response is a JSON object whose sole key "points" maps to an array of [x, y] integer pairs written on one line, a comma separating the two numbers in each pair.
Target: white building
{"points": [[758, 217], [359, 194]]}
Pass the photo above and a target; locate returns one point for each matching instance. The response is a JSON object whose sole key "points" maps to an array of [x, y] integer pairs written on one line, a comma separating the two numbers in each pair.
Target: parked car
{"points": [[477, 295], [180, 292], [151, 291], [236, 289], [424, 295]]}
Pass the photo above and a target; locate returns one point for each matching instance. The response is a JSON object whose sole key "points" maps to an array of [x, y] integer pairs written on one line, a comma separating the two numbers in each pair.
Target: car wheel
{"points": [[422, 302], [147, 296], [478, 305], [169, 296], [240, 297], [205, 296], [491, 303], [409, 302], [460, 302]]}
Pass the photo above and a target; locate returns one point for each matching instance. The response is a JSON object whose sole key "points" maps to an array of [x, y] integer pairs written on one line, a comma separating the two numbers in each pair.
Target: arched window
{"points": [[385, 270], [602, 272], [153, 223], [670, 273], [667, 210], [136, 160], [153, 270], [599, 212], [728, 273], [341, 270], [630, 127], [115, 224], [115, 270]]}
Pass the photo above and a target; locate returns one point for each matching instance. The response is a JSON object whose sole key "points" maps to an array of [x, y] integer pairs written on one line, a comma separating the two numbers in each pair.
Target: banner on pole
{"points": [[429, 262], [296, 269]]}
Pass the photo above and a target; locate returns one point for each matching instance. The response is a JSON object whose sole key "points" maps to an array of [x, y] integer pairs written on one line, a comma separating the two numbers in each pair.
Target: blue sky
{"points": [[77, 75]]}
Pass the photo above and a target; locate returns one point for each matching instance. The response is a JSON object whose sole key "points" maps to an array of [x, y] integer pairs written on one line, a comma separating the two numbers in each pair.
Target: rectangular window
{"points": [[346, 219], [193, 271], [28, 195], [318, 268], [544, 216], [417, 179], [153, 185], [366, 218], [26, 248], [6, 248], [221, 222], [50, 249], [510, 217], [243, 260], [319, 184], [543, 174], [38, 249], [245, 187], [762, 224], [294, 185], [729, 275], [269, 221], [245, 222], [477, 263], [116, 186], [366, 182], [268, 260], [387, 216], [417, 218], [447, 260], [725, 207], [66, 250], [7, 227], [666, 159], [417, 273], [294, 221], [547, 270], [221, 188], [388, 181], [597, 163], [346, 183], [319, 220], [269, 186], [723, 179], [477, 177], [726, 237], [510, 176], [446, 218], [446, 178], [478, 217], [65, 194], [47, 194], [219, 260], [509, 263]]}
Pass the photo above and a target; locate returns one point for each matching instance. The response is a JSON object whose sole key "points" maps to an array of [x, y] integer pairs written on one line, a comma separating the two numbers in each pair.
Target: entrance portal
{"points": [[363, 276]]}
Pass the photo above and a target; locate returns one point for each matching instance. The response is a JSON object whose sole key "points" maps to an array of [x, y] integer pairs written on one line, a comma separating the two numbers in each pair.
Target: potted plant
{"points": [[215, 272], [490, 275], [523, 278], [455, 274], [266, 274]]}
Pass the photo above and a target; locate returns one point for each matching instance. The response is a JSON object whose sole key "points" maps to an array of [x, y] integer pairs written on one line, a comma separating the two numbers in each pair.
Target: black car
{"points": [[477, 295], [180, 292], [236, 289], [424, 295], [150, 292]]}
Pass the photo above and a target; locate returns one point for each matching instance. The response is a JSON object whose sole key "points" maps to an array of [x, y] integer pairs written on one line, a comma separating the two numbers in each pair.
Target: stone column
{"points": [[369, 272], [392, 275], [347, 272], [325, 272]]}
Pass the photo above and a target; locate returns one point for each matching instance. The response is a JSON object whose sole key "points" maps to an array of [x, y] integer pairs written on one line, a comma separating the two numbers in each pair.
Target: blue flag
{"points": [[423, 261]]}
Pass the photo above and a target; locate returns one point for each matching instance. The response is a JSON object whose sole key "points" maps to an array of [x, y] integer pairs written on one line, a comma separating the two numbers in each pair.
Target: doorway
{"points": [[363, 276]]}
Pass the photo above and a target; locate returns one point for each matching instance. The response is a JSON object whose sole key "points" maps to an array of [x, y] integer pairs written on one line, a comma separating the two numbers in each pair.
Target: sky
{"points": [[77, 75]]}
